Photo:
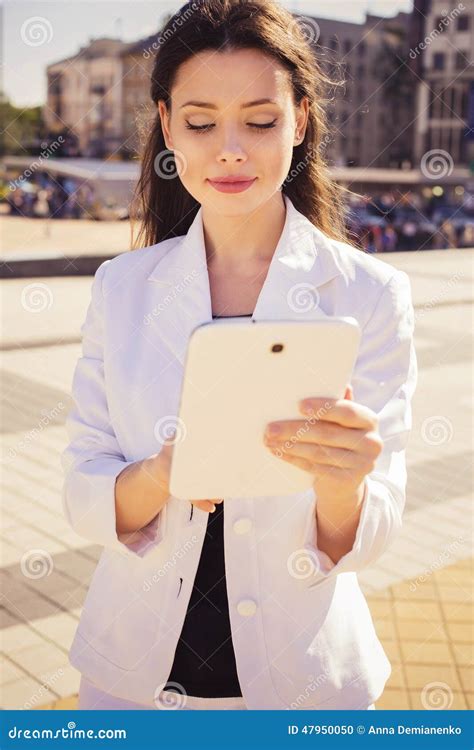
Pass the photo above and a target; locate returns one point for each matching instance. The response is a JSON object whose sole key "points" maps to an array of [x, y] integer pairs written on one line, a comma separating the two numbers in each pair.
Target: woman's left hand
{"points": [[337, 442]]}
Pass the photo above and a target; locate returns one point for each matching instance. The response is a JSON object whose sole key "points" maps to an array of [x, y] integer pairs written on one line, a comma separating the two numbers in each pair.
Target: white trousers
{"points": [[92, 698]]}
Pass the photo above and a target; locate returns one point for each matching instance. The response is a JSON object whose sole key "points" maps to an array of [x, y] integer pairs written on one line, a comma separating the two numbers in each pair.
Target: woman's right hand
{"points": [[163, 468]]}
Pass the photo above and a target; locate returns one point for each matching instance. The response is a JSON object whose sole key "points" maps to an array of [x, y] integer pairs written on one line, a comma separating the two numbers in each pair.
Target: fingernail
{"points": [[212, 509], [273, 429]]}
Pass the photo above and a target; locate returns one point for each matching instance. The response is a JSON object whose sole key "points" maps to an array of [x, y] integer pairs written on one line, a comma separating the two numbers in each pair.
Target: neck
{"points": [[239, 240]]}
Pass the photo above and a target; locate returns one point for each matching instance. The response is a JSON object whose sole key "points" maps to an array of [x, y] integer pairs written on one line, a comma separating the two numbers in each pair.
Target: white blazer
{"points": [[301, 628]]}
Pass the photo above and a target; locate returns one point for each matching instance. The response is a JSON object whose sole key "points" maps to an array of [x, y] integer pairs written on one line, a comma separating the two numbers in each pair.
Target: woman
{"points": [[235, 602]]}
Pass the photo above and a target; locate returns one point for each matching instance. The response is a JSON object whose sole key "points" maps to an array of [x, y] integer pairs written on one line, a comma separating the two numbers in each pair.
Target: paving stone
{"points": [[25, 694], [419, 591], [414, 652]]}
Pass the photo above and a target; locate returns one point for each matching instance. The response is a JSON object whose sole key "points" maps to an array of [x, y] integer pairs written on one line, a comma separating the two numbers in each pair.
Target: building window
{"points": [[464, 102], [447, 104], [461, 60], [438, 61], [333, 44], [440, 26], [434, 102], [361, 48], [463, 23], [347, 46]]}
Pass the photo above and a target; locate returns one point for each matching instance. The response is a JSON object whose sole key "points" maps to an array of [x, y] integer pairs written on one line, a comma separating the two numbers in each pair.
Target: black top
{"points": [[204, 661]]}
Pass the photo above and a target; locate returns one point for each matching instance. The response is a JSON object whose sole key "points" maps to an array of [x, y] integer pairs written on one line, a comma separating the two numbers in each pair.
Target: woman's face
{"points": [[218, 136]]}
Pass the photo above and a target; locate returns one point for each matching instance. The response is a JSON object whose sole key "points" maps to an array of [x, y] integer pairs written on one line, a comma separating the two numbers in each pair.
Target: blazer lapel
{"points": [[302, 262]]}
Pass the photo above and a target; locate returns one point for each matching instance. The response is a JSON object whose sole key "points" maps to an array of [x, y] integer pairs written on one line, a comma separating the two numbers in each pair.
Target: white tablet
{"points": [[239, 375]]}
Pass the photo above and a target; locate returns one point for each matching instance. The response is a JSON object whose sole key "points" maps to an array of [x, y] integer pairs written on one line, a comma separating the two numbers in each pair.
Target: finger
{"points": [[205, 505], [321, 471], [166, 454], [301, 463], [323, 433], [320, 454], [343, 411]]}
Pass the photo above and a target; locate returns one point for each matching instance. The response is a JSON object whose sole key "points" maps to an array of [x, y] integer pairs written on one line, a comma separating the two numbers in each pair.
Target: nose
{"points": [[231, 149]]}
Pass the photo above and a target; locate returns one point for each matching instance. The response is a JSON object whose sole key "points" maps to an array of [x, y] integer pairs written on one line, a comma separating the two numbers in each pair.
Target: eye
{"points": [[263, 126], [207, 128], [198, 128]]}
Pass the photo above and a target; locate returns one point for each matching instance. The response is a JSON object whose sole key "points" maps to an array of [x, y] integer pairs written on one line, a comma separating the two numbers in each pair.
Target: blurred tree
{"points": [[21, 129]]}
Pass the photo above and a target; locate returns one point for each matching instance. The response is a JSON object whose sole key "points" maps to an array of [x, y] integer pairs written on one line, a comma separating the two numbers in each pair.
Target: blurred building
{"points": [[138, 59], [85, 94], [371, 120], [445, 92], [401, 97]]}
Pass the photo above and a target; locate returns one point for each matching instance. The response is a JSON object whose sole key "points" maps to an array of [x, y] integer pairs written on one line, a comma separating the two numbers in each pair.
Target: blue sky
{"points": [[72, 24]]}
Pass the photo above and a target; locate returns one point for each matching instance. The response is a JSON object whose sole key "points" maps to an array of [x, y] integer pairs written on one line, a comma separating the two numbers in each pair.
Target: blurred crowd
{"points": [[61, 198], [58, 198], [382, 223], [385, 223]]}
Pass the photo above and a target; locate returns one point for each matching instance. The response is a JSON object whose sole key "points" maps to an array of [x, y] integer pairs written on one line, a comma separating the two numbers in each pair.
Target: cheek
{"points": [[276, 154], [194, 157]]}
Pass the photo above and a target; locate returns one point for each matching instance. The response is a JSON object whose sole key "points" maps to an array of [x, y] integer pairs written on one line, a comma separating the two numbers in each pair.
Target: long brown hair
{"points": [[163, 205]]}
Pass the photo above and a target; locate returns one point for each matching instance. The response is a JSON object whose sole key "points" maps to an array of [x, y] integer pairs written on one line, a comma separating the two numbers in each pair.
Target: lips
{"points": [[232, 183], [231, 179]]}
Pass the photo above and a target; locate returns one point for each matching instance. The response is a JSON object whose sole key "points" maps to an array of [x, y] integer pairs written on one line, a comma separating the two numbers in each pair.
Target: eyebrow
{"points": [[208, 105]]}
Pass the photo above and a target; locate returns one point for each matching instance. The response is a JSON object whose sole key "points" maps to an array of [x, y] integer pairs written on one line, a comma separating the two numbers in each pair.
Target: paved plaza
{"points": [[420, 591]]}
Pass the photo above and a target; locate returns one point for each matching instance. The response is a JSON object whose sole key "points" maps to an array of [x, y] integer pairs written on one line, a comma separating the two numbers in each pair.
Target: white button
{"points": [[246, 607], [242, 525]]}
